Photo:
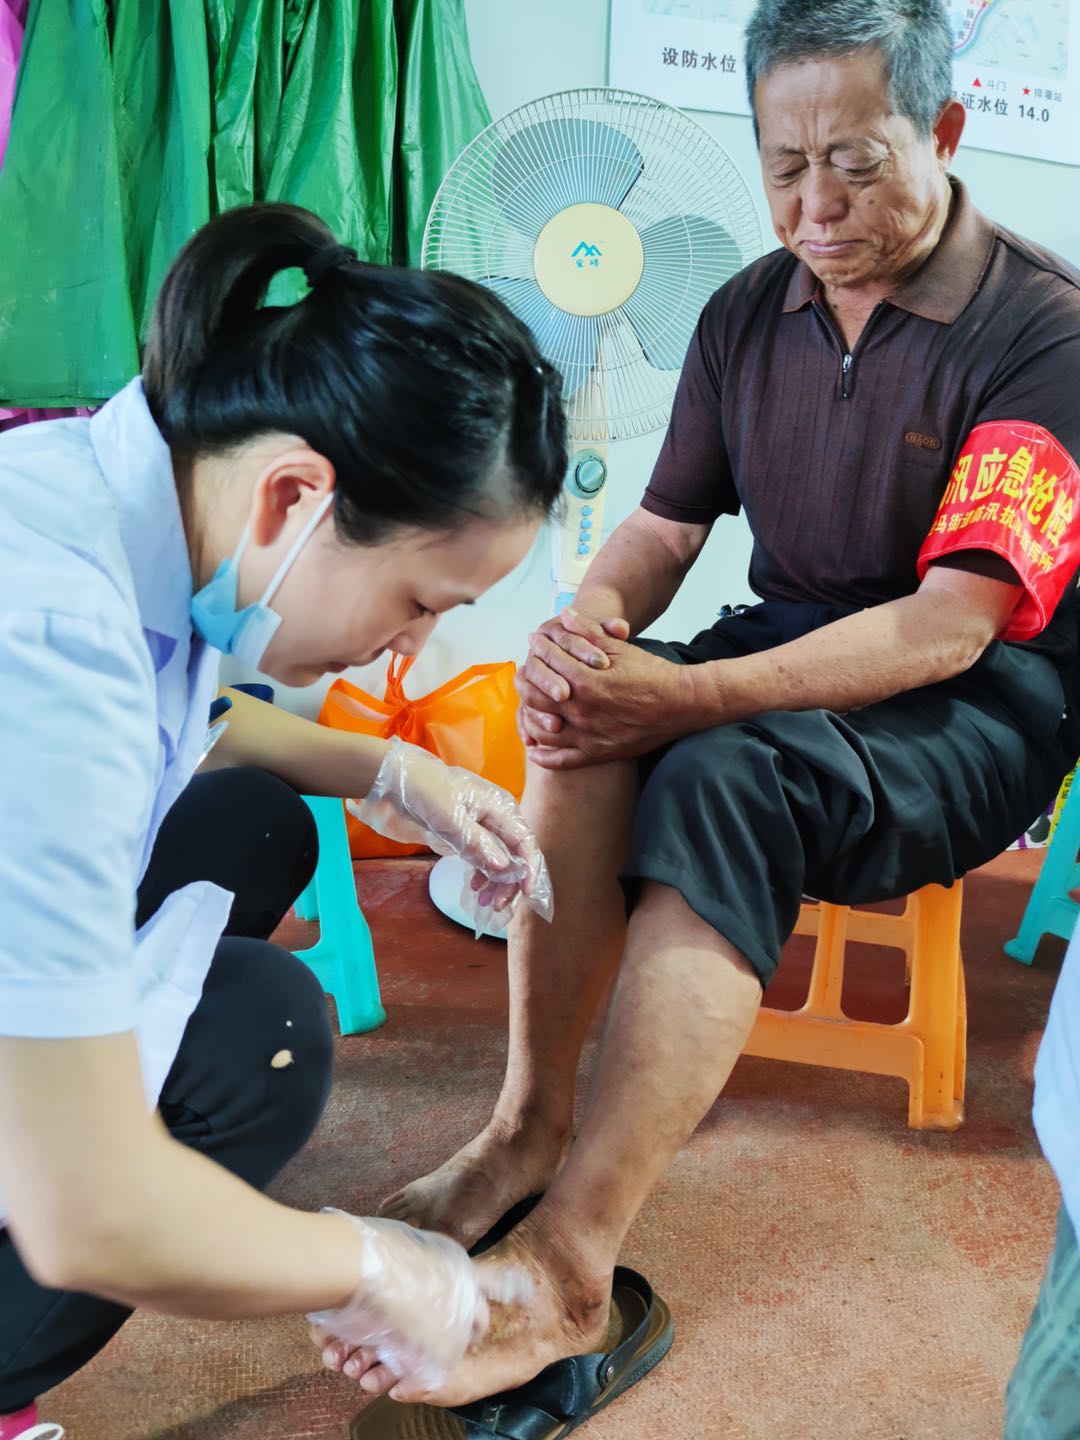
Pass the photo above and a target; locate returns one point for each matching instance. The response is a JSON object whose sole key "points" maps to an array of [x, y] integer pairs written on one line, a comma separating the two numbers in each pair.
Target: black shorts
{"points": [[745, 819]]}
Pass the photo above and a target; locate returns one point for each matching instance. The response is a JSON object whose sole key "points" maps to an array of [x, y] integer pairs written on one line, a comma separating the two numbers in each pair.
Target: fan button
{"points": [[583, 549], [586, 509], [586, 524], [590, 475]]}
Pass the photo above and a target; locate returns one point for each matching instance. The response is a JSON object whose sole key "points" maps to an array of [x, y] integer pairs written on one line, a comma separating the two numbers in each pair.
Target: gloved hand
{"points": [[421, 1301], [418, 799]]}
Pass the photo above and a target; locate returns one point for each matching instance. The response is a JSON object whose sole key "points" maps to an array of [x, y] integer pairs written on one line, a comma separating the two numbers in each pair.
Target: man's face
{"points": [[853, 189]]}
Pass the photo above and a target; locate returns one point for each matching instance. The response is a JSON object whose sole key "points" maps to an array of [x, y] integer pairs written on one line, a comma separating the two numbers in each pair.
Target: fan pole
{"points": [[581, 532], [578, 536]]}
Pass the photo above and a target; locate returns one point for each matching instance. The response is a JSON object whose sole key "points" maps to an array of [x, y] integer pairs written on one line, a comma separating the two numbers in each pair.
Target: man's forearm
{"points": [[635, 577], [851, 663]]}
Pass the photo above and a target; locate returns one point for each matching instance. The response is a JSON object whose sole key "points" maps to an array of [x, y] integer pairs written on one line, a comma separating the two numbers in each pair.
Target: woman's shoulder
{"points": [[60, 541], [52, 489]]}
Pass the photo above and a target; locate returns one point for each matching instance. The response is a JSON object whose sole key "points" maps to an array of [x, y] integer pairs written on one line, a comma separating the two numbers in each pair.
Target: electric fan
{"points": [[605, 220]]}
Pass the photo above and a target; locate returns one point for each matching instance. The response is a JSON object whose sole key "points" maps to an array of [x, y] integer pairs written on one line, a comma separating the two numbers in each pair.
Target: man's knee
{"points": [[699, 771], [594, 793], [718, 823]]}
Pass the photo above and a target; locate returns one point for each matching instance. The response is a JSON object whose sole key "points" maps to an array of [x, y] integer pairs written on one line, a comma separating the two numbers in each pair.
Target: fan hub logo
{"points": [[587, 254], [588, 259]]}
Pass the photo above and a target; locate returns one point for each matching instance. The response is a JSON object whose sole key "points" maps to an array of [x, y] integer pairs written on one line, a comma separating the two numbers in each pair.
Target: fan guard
{"points": [[520, 212]]}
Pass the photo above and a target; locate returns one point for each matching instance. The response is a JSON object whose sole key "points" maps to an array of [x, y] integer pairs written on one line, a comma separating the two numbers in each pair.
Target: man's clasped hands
{"points": [[589, 695]]}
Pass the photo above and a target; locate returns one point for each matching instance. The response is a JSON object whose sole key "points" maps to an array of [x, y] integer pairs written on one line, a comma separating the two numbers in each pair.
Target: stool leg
{"points": [[937, 1016], [826, 991], [960, 1078], [1050, 911], [306, 904], [343, 957]]}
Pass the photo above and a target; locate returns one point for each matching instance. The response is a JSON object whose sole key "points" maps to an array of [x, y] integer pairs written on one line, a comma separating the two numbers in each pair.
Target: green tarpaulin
{"points": [[134, 123]]}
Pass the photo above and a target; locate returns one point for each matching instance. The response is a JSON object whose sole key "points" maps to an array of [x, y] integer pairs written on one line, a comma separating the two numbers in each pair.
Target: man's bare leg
{"points": [[558, 974], [682, 1009]]}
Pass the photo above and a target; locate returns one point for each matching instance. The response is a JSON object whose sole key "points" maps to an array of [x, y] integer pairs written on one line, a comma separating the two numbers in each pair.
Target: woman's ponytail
{"points": [[426, 394], [210, 299]]}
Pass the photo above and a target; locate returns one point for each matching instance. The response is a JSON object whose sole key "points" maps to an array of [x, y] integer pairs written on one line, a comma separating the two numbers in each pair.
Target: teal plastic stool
{"points": [[1051, 910], [343, 957]]}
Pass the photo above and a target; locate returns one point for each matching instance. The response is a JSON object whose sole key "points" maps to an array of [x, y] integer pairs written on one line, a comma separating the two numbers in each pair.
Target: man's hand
{"points": [[589, 697], [541, 685]]}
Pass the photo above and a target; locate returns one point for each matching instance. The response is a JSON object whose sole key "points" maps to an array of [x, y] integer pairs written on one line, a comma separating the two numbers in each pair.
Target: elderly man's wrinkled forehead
{"points": [[832, 104]]}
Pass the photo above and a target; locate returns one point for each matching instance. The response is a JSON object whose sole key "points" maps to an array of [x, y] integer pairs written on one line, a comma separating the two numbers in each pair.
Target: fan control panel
{"points": [[578, 537]]}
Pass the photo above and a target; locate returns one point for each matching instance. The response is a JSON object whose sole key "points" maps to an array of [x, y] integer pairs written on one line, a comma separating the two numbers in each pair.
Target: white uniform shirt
{"points": [[104, 701], [1057, 1083]]}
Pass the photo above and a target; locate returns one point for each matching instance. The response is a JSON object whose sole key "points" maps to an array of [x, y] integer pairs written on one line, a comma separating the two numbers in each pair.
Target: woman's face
{"points": [[342, 604]]}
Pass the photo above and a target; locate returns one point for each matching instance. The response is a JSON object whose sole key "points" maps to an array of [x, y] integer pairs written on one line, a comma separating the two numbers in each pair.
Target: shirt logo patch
{"points": [[924, 442]]}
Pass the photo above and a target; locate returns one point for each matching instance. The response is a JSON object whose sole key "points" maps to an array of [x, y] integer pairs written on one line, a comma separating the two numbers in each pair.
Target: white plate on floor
{"points": [[445, 884]]}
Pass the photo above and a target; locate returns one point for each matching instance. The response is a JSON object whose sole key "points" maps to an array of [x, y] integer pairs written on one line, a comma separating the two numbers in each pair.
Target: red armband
{"points": [[1014, 490]]}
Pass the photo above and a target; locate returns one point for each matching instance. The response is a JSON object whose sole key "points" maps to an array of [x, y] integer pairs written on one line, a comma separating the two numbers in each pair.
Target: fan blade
{"points": [[556, 163], [687, 259], [566, 341]]}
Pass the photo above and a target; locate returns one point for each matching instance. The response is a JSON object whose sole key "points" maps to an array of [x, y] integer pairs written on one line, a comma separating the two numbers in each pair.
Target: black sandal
{"points": [[562, 1397]]}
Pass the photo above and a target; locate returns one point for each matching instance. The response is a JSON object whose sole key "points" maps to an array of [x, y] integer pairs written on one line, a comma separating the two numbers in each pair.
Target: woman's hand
{"points": [[418, 799], [421, 1303]]}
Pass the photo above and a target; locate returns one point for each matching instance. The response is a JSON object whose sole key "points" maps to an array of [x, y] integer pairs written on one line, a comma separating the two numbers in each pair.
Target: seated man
{"points": [[894, 400]]}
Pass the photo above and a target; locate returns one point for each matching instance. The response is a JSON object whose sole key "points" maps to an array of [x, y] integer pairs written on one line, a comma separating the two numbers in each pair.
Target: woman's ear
{"points": [[296, 476]]}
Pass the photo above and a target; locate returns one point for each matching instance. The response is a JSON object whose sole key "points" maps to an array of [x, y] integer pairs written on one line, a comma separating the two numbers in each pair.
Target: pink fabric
{"points": [[12, 16], [8, 421], [12, 21], [12, 1426]]}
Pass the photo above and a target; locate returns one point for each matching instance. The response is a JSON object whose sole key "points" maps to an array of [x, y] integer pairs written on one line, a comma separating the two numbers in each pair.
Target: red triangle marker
{"points": [[978, 83]]}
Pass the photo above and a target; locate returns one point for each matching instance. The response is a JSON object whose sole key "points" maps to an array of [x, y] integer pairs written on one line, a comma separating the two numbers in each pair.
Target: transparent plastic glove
{"points": [[416, 798], [421, 1301], [477, 905]]}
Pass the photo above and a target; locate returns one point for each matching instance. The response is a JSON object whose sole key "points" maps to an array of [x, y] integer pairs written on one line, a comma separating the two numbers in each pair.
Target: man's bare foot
{"points": [[570, 1313], [464, 1197]]}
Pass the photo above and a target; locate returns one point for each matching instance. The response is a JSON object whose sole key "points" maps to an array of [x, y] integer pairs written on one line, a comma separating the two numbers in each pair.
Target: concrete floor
{"points": [[832, 1274]]}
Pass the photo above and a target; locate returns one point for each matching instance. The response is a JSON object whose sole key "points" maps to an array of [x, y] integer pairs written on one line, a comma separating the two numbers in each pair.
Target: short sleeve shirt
{"points": [[101, 684], [840, 461]]}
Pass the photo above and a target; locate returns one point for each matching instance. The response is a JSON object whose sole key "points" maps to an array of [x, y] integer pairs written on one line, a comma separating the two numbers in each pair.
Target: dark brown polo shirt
{"points": [[840, 461]]}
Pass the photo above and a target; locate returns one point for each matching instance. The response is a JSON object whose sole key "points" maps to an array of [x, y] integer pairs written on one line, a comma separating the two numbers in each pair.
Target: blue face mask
{"points": [[245, 633]]}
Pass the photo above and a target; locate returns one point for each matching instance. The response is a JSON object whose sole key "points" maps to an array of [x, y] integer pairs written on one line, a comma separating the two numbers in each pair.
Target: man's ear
{"points": [[948, 129]]}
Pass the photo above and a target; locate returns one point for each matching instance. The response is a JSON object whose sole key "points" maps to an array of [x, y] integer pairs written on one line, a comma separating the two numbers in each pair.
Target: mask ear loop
{"points": [[294, 549]]}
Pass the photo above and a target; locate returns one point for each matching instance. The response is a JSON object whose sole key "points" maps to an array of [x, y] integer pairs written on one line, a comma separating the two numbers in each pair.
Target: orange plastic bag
{"points": [[469, 721]]}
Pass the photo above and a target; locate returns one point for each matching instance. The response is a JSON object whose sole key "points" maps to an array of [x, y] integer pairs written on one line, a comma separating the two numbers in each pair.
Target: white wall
{"points": [[526, 48]]}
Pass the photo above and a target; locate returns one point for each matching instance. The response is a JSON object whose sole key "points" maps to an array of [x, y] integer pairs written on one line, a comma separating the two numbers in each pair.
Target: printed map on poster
{"points": [[1017, 65], [1017, 70]]}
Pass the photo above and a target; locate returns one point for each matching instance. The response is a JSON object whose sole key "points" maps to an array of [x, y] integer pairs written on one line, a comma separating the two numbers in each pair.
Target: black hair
{"points": [[914, 37], [429, 398]]}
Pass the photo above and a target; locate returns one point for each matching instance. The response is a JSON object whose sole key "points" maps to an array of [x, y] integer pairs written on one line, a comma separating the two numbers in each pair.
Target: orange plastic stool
{"points": [[928, 1048]]}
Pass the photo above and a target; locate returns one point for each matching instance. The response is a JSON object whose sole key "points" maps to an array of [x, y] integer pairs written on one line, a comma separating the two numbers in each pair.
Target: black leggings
{"points": [[251, 834]]}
